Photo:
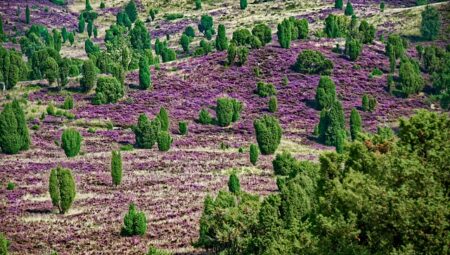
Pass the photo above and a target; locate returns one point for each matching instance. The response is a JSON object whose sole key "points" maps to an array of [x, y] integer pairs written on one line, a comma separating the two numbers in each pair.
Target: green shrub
{"points": [[284, 164], [71, 142], [348, 9], [204, 117], [163, 117], [233, 184], [263, 32], [355, 124], [10, 186], [221, 40], [89, 76], [410, 78], [340, 141], [241, 37], [198, 4], [206, 24], [227, 111], [366, 32], [184, 42], [183, 127], [284, 33], [134, 222], [336, 26], [164, 141], [116, 167], [268, 134], [313, 62], [62, 188], [242, 55], [4, 244], [243, 4], [395, 46], [108, 90], [265, 89], [254, 154], [332, 121], [325, 93], [146, 132], [353, 48], [145, 79], [68, 103], [231, 53], [273, 104]]}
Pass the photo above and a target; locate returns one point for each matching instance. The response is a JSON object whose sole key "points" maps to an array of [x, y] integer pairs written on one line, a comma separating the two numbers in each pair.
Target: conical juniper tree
{"points": [[62, 188], [268, 134], [116, 167]]}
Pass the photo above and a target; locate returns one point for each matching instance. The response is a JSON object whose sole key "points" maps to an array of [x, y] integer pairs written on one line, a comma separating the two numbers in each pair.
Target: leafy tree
{"points": [[263, 32], [10, 139], [338, 4], [221, 39], [325, 93], [145, 79], [204, 117], [313, 62], [431, 23], [265, 89], [146, 132], [284, 34], [410, 78], [268, 134], [355, 124], [108, 90], [273, 104], [243, 4], [353, 48], [254, 154], [332, 121], [71, 142], [131, 11], [184, 42], [233, 184], [163, 117], [164, 141], [81, 24], [62, 188], [116, 167], [134, 222], [27, 15], [183, 127], [348, 9]]}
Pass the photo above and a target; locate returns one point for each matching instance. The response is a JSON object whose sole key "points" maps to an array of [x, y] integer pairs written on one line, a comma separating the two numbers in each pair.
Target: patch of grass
{"points": [[127, 147]]}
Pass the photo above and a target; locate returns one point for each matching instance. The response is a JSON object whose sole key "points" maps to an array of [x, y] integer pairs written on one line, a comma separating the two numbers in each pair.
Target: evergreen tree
{"points": [[116, 167], [108, 90], [198, 4], [183, 127], [263, 33], [51, 70], [90, 27], [146, 132], [71, 37], [163, 117], [64, 34], [353, 48], [68, 103], [355, 124], [221, 39], [189, 31], [284, 34], [367, 32], [10, 138], [254, 154], [134, 222], [140, 37], [242, 55], [81, 24], [204, 117], [184, 42], [57, 40], [1, 28], [243, 4], [27, 15], [332, 121], [411, 80], [131, 11], [89, 75], [88, 6], [22, 128], [325, 93], [71, 142], [233, 184], [145, 80], [164, 141], [62, 188], [340, 140], [227, 111], [273, 104], [348, 9], [338, 4], [206, 24], [382, 6], [231, 53], [431, 23], [268, 134]]}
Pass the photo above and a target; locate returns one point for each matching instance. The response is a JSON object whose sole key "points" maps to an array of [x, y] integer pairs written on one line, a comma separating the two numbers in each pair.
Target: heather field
{"points": [[170, 186]]}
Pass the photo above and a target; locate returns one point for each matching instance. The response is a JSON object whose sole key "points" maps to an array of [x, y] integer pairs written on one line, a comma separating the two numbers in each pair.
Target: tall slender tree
{"points": [[27, 15]]}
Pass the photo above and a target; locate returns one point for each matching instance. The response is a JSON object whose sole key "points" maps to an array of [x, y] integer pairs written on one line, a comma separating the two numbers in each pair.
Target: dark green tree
{"points": [[198, 4], [268, 134], [325, 93], [88, 6], [140, 37], [116, 167], [221, 39], [57, 40], [63, 72], [89, 75], [90, 27], [243, 4], [353, 48], [164, 141], [51, 70], [233, 184], [131, 11], [410, 78], [62, 188], [231, 54], [206, 24], [382, 6], [189, 31], [81, 24], [332, 121], [431, 23], [22, 128], [10, 139], [348, 9], [145, 79], [263, 32], [284, 34], [224, 111], [338, 4], [367, 32], [340, 142], [163, 117], [313, 62], [146, 132], [134, 222], [71, 142], [184, 42], [183, 127], [273, 104], [265, 89], [355, 124], [27, 15], [285, 164], [254, 154], [108, 90]]}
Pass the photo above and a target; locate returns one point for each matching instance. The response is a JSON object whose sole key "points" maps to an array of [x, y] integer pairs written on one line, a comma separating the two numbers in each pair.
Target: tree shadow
{"points": [[40, 211]]}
